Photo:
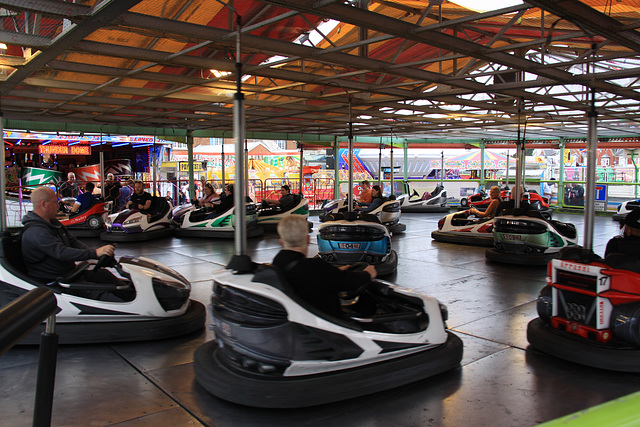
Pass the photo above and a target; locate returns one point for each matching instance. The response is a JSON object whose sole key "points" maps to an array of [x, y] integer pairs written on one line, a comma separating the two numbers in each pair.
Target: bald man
{"points": [[48, 249]]}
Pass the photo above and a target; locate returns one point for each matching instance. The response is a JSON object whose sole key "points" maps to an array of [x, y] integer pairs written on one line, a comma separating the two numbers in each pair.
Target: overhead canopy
{"points": [[422, 69]]}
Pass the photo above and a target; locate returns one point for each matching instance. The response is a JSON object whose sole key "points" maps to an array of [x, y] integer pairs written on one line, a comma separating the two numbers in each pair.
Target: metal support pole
{"points": [[516, 193], [392, 170], [3, 217], [590, 191], [154, 165], [442, 169], [301, 169], [350, 190], [336, 168], [506, 178], [405, 168], [482, 165], [192, 190], [561, 172], [380, 163], [238, 131], [222, 160], [46, 375], [102, 172]]}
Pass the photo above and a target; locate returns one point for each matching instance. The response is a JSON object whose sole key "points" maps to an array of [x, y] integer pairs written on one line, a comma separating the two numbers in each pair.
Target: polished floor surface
{"points": [[501, 382]]}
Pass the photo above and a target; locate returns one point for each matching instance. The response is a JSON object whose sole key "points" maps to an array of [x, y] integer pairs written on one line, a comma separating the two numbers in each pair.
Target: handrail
{"points": [[23, 315]]}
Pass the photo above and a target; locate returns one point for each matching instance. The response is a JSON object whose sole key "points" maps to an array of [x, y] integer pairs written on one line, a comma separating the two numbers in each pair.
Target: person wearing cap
{"points": [[629, 242]]}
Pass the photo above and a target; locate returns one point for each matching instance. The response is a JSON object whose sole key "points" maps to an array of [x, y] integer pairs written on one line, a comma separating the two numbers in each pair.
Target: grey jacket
{"points": [[49, 250]]}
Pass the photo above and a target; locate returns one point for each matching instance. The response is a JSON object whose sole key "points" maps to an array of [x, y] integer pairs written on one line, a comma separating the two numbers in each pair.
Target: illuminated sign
{"points": [[64, 150]]}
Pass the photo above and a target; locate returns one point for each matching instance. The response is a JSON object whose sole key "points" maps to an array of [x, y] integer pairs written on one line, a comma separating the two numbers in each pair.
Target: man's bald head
{"points": [[45, 202], [43, 193]]}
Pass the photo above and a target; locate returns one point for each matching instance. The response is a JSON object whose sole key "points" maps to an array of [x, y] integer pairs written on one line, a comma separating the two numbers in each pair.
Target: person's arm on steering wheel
{"points": [[105, 250]]}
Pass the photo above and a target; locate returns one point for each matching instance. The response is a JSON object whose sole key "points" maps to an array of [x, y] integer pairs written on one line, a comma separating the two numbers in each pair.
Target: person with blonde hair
{"points": [[492, 209], [314, 280]]}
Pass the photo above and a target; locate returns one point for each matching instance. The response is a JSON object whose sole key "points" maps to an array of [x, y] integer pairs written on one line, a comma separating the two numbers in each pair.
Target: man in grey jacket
{"points": [[48, 249]]}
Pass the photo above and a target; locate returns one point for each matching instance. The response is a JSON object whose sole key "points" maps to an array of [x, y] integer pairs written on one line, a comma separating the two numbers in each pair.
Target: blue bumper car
{"points": [[358, 239]]}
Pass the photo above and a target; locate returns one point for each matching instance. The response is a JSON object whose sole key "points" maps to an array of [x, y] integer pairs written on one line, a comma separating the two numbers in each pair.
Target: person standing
{"points": [[111, 190], [70, 188]]}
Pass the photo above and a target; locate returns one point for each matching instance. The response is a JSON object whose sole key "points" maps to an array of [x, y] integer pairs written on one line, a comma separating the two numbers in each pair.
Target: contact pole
{"points": [[222, 160], [392, 167], [592, 153], [301, 168], [3, 177], [350, 190], [517, 194], [380, 163], [238, 130]]}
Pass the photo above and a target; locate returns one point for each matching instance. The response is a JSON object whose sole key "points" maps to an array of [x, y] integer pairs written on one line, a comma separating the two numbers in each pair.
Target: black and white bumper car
{"points": [[432, 202], [131, 225], [275, 350], [154, 299], [624, 208], [205, 222], [388, 213]]}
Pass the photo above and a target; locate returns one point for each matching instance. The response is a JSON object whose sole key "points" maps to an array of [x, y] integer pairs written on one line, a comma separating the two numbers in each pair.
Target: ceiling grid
{"points": [[422, 69]]}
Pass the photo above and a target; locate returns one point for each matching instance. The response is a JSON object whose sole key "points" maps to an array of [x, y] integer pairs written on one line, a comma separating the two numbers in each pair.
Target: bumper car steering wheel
{"points": [[352, 294]]}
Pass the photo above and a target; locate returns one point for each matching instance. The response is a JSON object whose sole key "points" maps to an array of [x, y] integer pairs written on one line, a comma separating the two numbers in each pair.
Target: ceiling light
{"points": [[218, 73], [486, 5]]}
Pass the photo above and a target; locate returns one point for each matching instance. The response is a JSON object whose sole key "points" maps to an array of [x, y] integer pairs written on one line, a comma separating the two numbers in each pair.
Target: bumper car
{"points": [[89, 223], [205, 222], [132, 225], [624, 208], [458, 227], [270, 217], [154, 302], [387, 213], [590, 311], [275, 350], [357, 239], [475, 199], [433, 202], [534, 200], [529, 239]]}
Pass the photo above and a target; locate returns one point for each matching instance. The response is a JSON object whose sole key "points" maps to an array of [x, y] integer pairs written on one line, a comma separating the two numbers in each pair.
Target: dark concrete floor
{"points": [[501, 382]]}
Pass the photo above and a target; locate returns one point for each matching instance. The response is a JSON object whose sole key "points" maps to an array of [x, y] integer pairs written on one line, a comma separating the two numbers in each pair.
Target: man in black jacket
{"points": [[48, 249], [315, 280]]}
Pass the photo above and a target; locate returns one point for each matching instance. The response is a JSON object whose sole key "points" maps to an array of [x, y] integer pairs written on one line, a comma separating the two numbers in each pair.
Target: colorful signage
{"points": [[65, 150]]}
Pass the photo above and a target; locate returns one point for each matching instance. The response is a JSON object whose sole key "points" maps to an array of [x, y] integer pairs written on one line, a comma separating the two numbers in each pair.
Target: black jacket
{"points": [[316, 281], [623, 245], [49, 250]]}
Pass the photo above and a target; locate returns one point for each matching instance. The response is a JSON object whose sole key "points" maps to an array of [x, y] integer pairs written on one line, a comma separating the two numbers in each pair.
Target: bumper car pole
{"points": [[392, 171], [592, 152], [519, 163], [239, 262], [350, 192], [3, 177]]}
